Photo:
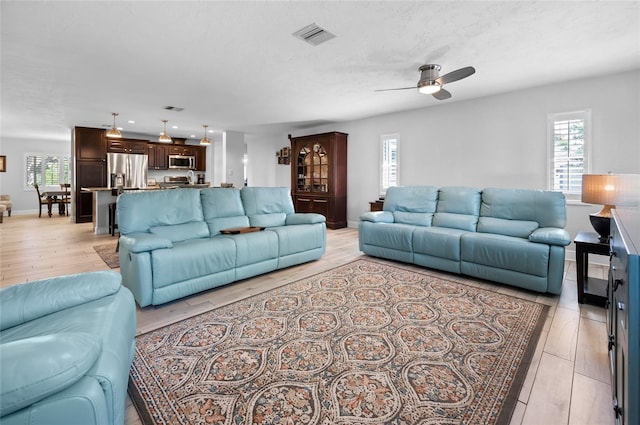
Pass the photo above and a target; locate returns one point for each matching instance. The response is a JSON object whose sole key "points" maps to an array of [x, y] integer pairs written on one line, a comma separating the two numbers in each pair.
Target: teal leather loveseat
{"points": [[172, 245], [511, 236], [66, 347]]}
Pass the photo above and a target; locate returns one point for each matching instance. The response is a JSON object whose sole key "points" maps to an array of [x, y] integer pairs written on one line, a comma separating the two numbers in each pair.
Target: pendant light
{"points": [[205, 140], [114, 133], [164, 137]]}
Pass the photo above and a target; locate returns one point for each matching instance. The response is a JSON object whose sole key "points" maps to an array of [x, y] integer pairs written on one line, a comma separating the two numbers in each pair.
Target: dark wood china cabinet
{"points": [[319, 176]]}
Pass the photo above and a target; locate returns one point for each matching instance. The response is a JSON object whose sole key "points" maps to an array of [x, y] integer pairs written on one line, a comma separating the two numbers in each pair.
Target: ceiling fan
{"points": [[432, 83]]}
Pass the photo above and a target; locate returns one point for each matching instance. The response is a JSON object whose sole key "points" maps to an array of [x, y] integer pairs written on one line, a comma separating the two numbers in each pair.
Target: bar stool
{"points": [[112, 219]]}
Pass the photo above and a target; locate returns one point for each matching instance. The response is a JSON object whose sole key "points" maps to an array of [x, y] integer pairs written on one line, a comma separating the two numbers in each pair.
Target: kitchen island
{"points": [[103, 196]]}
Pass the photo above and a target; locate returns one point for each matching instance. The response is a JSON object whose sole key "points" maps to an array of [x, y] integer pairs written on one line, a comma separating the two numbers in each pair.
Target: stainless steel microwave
{"points": [[184, 162]]}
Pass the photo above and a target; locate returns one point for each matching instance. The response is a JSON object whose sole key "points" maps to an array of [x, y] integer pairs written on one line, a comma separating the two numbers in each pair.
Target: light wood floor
{"points": [[567, 383]]}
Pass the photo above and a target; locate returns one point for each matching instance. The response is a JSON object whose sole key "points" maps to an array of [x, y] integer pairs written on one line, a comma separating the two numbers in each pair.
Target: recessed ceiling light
{"points": [[193, 135], [131, 122], [174, 126], [210, 131]]}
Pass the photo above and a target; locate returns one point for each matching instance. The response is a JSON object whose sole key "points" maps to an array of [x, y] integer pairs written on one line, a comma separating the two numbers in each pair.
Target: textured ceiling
{"points": [[236, 65]]}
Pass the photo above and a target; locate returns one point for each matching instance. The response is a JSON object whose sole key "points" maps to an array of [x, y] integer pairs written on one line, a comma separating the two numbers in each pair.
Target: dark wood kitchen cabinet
{"points": [[319, 176], [127, 146], [158, 156], [201, 157], [90, 148], [185, 150]]}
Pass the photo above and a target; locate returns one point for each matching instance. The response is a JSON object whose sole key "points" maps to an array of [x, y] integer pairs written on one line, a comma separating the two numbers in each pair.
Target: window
{"points": [[569, 135], [389, 175], [46, 170]]}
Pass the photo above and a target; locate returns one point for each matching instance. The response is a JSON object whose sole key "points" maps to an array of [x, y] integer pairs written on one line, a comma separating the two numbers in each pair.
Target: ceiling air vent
{"points": [[313, 34], [173, 108]]}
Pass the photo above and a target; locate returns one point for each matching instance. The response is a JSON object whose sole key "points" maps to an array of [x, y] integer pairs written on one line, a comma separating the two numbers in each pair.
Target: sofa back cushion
{"points": [[546, 208], [458, 208], [140, 211], [182, 232], [412, 204], [267, 206], [223, 209]]}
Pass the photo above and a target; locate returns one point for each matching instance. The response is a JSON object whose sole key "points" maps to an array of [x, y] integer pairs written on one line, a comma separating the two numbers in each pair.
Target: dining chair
{"points": [[6, 201], [42, 200], [66, 199]]}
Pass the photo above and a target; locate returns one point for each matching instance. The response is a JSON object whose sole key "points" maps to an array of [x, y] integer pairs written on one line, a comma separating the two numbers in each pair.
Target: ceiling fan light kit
{"points": [[432, 83], [428, 87]]}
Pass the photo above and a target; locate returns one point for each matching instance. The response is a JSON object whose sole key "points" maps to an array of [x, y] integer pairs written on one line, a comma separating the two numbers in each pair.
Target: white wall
{"points": [[497, 141], [262, 165]]}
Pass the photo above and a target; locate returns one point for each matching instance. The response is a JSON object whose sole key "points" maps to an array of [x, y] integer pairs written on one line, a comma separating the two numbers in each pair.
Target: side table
{"points": [[590, 288]]}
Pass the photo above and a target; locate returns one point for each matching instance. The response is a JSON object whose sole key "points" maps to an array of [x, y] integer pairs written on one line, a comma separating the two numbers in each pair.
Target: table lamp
{"points": [[610, 190]]}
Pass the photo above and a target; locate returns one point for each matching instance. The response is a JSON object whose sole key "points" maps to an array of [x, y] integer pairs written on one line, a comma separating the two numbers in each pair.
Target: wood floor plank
{"points": [[551, 393], [590, 402]]}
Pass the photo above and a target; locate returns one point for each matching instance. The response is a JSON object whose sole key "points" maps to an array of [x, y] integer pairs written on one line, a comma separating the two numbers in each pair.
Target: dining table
{"points": [[56, 197]]}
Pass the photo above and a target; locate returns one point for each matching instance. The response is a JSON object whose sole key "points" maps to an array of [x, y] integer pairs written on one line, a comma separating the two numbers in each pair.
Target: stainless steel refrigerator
{"points": [[127, 170]]}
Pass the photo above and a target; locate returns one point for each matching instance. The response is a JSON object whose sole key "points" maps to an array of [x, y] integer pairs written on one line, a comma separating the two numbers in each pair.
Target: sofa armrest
{"points": [[377, 216], [551, 236], [304, 218], [37, 367], [142, 242], [29, 301]]}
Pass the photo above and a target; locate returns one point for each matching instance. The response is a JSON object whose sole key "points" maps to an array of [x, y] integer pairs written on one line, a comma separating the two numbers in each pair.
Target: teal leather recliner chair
{"points": [[66, 347]]}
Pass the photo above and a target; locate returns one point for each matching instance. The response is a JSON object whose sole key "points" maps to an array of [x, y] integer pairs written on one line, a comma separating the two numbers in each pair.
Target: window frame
{"points": [[64, 170], [552, 118], [382, 165]]}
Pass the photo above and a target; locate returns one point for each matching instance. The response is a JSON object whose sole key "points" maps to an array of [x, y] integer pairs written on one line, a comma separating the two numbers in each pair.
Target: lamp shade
{"points": [[611, 189]]}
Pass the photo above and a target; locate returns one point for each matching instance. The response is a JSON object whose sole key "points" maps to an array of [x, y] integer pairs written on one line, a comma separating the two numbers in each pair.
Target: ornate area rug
{"points": [[364, 343], [108, 254]]}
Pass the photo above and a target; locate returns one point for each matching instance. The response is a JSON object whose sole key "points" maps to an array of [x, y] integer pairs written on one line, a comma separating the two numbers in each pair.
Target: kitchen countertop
{"points": [[185, 186]]}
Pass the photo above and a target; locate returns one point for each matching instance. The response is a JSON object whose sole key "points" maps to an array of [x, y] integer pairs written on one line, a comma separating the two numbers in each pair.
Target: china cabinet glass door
{"points": [[313, 168]]}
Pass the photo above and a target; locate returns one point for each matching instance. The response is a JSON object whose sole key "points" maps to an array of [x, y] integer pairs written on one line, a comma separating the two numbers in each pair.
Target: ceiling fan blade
{"points": [[456, 75], [401, 88], [441, 94]]}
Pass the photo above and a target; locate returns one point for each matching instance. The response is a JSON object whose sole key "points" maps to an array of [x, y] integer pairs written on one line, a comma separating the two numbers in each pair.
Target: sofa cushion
{"points": [[505, 252], [268, 220], [299, 238], [304, 218], [377, 216], [501, 226], [254, 247], [216, 225], [547, 208], [267, 206], [191, 259], [416, 199], [458, 208], [459, 200], [139, 211], [37, 367], [220, 202], [441, 242], [182, 232], [389, 235], [455, 221], [414, 218], [31, 300]]}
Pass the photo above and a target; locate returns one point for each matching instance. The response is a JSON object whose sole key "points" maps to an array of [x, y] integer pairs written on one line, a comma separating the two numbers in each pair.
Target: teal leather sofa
{"points": [[66, 347], [511, 236], [171, 244]]}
